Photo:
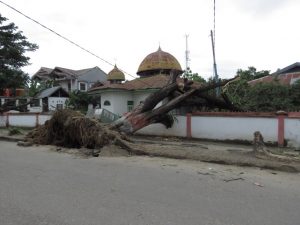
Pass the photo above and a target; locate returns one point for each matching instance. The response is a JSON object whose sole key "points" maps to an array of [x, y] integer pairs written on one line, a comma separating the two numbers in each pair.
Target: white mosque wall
{"points": [[140, 96], [118, 101]]}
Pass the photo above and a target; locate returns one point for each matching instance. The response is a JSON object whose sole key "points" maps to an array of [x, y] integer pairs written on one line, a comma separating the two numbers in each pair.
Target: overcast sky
{"points": [[260, 33]]}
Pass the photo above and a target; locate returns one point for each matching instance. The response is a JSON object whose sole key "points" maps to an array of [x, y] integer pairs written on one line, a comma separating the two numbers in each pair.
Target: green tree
{"points": [[237, 92], [251, 73], [79, 100], [35, 86], [193, 76], [295, 95], [268, 97], [13, 46]]}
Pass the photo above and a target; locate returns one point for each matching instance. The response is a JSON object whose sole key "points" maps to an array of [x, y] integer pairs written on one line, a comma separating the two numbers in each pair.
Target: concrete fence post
{"points": [[37, 119], [188, 125], [281, 115], [7, 120]]}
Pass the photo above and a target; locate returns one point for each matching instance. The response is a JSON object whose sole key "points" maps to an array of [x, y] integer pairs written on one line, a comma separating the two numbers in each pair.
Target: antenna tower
{"points": [[187, 54]]}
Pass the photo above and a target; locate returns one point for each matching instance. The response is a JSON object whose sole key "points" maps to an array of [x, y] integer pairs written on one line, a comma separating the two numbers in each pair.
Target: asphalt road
{"points": [[39, 186]]}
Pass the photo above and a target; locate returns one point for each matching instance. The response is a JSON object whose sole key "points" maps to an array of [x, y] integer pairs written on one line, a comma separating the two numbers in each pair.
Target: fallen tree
{"points": [[178, 94], [71, 129]]}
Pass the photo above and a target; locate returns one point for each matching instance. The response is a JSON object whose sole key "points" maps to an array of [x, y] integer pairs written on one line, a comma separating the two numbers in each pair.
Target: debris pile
{"points": [[71, 129]]}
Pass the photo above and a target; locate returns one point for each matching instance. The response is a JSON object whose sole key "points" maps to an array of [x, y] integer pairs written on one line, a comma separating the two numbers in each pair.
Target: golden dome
{"points": [[159, 62], [116, 74]]}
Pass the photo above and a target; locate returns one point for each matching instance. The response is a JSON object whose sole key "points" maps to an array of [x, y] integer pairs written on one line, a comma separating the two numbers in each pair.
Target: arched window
{"points": [[106, 102]]}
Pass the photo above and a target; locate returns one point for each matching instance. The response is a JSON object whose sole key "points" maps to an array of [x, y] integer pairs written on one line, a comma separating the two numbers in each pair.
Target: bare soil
{"points": [[178, 148], [216, 152]]}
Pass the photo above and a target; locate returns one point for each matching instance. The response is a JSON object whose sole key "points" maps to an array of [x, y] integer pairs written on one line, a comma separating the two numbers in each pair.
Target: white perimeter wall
{"points": [[23, 120], [2, 120], [207, 127], [234, 128], [292, 131], [219, 128], [178, 128]]}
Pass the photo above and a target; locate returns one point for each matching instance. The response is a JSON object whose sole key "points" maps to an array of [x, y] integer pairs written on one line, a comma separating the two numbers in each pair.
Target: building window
{"points": [[82, 87], [106, 102], [129, 106], [59, 106], [35, 102]]}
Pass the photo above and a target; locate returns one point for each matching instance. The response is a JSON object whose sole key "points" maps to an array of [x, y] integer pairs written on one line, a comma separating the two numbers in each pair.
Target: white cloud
{"points": [[129, 30], [261, 7]]}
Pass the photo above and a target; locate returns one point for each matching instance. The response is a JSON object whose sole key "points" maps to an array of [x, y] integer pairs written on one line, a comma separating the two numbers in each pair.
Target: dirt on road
{"points": [[178, 148]]}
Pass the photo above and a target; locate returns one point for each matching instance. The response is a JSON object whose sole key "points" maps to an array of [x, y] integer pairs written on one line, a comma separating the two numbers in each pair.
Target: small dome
{"points": [[116, 74], [158, 62]]}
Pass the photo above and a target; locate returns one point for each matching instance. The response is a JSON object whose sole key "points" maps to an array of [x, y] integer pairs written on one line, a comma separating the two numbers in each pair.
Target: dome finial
{"points": [[159, 48], [115, 59]]}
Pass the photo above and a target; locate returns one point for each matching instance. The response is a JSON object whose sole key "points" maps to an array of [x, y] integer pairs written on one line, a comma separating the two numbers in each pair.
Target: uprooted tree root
{"points": [[71, 129], [260, 151]]}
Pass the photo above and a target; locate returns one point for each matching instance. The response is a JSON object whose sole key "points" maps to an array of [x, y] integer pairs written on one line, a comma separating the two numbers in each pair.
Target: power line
{"points": [[67, 39]]}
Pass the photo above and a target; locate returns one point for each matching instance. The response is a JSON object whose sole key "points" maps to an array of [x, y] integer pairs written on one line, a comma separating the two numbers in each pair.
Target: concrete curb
{"points": [[11, 139]]}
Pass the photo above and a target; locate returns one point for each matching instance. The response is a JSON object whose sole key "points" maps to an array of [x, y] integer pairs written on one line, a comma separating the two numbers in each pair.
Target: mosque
{"points": [[120, 97]]}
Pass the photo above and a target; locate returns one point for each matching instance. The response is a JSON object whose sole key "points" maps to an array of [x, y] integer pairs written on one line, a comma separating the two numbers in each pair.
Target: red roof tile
{"points": [[153, 82], [287, 78]]}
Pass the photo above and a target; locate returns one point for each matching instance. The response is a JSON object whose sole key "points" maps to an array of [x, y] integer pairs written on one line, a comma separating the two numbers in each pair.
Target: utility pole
{"points": [[215, 65], [213, 44]]}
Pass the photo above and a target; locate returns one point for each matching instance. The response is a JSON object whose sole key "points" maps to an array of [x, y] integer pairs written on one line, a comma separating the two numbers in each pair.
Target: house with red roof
{"points": [[288, 75]]}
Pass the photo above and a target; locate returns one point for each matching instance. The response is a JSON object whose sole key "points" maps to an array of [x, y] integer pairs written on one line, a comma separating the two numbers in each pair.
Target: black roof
{"points": [[289, 69]]}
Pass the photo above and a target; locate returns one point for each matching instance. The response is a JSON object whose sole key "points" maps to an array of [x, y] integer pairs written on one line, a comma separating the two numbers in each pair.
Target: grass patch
{"points": [[14, 131]]}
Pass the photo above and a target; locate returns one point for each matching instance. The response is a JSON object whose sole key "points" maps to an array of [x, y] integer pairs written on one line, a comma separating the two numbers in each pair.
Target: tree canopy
{"points": [[251, 73], [264, 97], [13, 47]]}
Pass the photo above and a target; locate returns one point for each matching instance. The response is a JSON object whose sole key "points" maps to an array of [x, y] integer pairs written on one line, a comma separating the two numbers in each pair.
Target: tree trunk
{"points": [[146, 113]]}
